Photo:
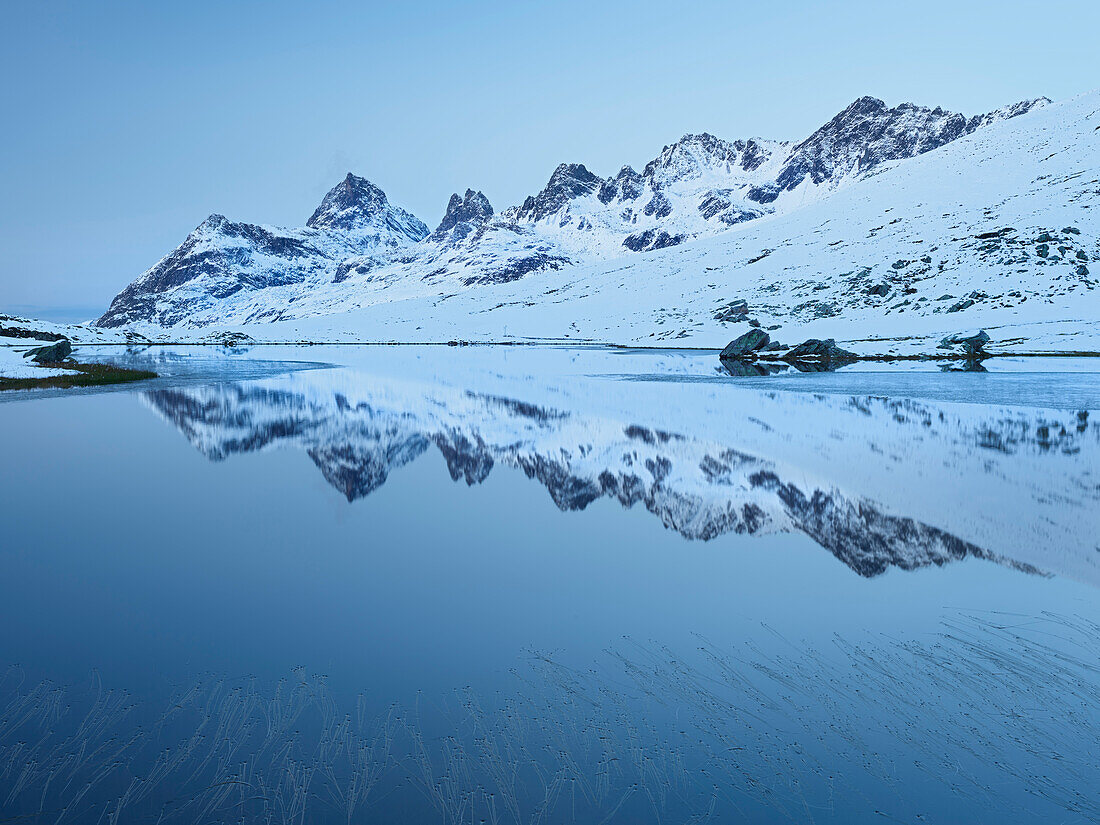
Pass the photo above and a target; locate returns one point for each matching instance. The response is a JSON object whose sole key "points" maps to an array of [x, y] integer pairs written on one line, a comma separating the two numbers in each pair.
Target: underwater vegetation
{"points": [[995, 718]]}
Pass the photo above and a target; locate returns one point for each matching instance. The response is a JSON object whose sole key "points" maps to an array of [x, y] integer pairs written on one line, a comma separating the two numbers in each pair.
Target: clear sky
{"points": [[127, 123]]}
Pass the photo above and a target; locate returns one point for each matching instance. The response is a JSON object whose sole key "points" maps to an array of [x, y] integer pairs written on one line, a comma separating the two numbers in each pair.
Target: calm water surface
{"points": [[523, 585]]}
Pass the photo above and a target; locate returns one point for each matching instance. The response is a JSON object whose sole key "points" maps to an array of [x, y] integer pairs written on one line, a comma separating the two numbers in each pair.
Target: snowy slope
{"points": [[13, 364], [796, 231], [997, 229]]}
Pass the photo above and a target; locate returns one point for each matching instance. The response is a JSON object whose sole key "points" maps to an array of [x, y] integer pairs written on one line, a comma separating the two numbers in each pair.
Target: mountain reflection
{"points": [[877, 482]]}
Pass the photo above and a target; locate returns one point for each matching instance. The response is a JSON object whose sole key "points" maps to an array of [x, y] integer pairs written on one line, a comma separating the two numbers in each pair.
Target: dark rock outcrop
{"points": [[746, 345], [970, 345], [650, 240], [869, 133], [25, 332], [733, 312], [50, 354], [819, 350], [625, 186], [569, 181], [464, 215]]}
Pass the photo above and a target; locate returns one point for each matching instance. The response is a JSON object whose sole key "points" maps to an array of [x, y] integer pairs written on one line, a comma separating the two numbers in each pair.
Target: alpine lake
{"points": [[519, 585]]}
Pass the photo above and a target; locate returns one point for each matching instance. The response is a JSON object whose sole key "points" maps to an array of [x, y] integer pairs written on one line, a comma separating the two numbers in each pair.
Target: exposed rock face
{"points": [[693, 155], [464, 215], [569, 181], [814, 348], [747, 344], [868, 133], [357, 206], [625, 186], [720, 204], [21, 328], [970, 345], [733, 312], [651, 239]]}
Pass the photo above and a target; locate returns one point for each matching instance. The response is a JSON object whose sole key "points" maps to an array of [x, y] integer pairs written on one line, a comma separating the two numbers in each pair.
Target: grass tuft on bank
{"points": [[83, 375]]}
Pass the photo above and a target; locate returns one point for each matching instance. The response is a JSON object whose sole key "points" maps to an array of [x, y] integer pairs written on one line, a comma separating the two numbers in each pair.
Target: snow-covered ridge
{"points": [[221, 260], [359, 250], [998, 229]]}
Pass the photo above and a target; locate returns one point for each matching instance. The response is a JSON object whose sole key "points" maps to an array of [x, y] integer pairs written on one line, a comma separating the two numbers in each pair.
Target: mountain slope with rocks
{"points": [[257, 269], [938, 220]]}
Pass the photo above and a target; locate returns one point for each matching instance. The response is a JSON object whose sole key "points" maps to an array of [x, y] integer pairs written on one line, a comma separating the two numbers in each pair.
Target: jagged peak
{"points": [[473, 208], [568, 173], [693, 154], [868, 133], [626, 185], [866, 105], [213, 221], [352, 198], [355, 204], [568, 181], [1021, 107]]}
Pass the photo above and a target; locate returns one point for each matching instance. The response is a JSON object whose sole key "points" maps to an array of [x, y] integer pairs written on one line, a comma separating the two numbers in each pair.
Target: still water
{"points": [[517, 585]]}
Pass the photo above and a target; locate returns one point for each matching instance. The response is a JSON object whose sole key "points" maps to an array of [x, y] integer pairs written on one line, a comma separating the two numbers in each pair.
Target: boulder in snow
{"points": [[746, 345], [50, 354]]}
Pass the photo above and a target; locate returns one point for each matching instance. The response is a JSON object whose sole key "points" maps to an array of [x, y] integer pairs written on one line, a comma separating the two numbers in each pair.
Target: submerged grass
{"points": [[84, 375], [992, 719]]}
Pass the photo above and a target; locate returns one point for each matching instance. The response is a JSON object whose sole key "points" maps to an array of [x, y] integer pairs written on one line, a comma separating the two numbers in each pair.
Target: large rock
{"points": [[51, 354], [746, 345], [816, 349], [967, 344], [733, 312]]}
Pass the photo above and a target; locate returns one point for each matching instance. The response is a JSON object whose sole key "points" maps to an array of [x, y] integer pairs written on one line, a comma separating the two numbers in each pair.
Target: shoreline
{"points": [[78, 374], [565, 343]]}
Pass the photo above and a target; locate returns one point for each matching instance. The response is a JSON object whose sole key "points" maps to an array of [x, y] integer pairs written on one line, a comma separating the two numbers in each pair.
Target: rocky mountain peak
{"points": [[213, 223], [569, 181], [470, 211], [692, 156], [347, 203], [356, 204], [868, 133], [625, 186], [863, 106]]}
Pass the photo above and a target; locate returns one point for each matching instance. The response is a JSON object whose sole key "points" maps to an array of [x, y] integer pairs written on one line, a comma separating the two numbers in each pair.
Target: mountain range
{"points": [[747, 231]]}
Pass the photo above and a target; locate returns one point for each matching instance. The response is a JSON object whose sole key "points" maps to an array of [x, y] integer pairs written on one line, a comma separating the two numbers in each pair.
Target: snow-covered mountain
{"points": [[223, 263], [595, 257]]}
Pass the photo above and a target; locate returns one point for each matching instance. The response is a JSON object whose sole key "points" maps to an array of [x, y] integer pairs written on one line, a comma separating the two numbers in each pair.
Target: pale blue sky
{"points": [[126, 123]]}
